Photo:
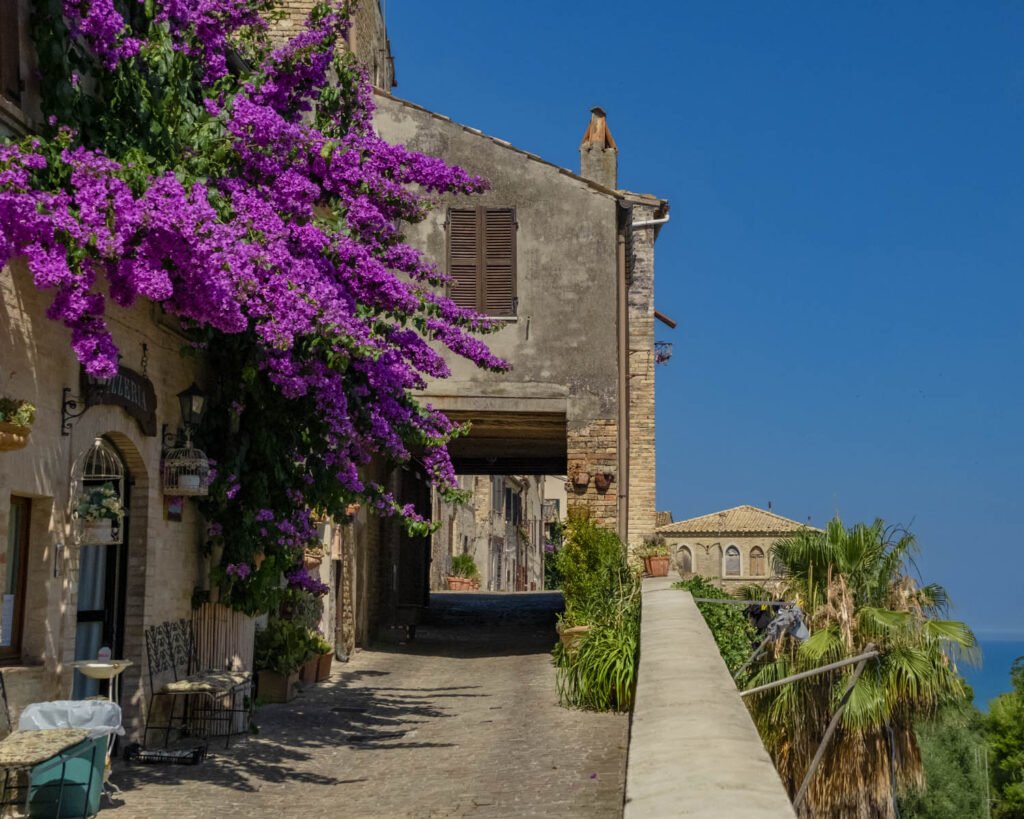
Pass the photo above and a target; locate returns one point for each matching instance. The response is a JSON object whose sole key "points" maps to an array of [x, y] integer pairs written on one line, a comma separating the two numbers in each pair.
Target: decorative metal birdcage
{"points": [[186, 471], [97, 495]]}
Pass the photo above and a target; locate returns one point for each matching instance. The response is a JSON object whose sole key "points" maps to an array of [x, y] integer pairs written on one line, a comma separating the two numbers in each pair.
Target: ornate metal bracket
{"points": [[71, 407]]}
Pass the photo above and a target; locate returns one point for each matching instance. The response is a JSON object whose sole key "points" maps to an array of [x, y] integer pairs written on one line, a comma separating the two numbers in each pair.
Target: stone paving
{"points": [[462, 721]]}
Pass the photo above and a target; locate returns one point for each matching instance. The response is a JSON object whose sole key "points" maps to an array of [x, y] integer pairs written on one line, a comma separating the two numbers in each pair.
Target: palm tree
{"points": [[855, 588]]}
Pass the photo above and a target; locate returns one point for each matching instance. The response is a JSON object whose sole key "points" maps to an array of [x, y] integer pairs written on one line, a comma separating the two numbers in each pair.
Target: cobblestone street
{"points": [[463, 721]]}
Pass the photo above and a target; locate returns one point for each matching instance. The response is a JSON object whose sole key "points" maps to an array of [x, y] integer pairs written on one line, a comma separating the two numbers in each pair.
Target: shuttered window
{"points": [[10, 51], [757, 563], [482, 259]]}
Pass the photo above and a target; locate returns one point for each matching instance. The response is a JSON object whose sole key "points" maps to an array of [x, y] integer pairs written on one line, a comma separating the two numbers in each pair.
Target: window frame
{"points": [[12, 654], [10, 37], [739, 561], [757, 553], [480, 213]]}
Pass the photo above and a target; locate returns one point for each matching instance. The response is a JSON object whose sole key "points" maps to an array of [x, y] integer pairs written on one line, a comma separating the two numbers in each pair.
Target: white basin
{"points": [[101, 669]]}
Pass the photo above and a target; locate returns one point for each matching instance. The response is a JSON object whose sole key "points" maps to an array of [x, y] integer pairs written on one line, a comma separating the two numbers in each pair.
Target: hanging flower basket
{"points": [[16, 419], [13, 437], [98, 533], [99, 511]]}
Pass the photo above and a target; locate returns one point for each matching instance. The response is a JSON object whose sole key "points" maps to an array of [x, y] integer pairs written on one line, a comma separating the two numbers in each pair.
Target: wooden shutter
{"points": [[482, 259], [499, 263], [464, 258], [756, 562], [10, 50]]}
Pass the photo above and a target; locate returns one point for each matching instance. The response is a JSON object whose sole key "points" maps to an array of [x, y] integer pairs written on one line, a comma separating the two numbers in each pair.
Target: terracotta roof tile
{"points": [[740, 520]]}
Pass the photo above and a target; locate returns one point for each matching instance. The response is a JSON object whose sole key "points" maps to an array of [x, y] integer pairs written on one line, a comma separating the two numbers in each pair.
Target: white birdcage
{"points": [[98, 471], [186, 471]]}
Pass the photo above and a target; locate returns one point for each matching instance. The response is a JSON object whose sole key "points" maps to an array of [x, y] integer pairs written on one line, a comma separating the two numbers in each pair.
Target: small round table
{"points": [[105, 670]]}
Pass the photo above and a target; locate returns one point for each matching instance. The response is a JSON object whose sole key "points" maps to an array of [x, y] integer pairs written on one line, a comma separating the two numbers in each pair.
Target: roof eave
{"points": [[628, 196]]}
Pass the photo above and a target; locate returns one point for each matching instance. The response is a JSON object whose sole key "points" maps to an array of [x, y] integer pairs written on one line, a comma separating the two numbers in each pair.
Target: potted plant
{"points": [[310, 664], [100, 509], [571, 636], [324, 653], [655, 557], [465, 576], [16, 419], [281, 648]]}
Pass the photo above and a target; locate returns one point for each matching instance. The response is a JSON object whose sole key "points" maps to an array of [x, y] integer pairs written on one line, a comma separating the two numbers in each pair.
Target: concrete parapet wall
{"points": [[693, 748]]}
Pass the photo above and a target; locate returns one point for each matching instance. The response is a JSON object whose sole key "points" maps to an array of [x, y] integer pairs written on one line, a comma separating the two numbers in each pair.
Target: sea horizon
{"points": [[992, 677]]}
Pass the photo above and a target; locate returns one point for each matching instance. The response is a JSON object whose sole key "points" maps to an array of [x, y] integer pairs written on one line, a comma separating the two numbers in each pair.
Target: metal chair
{"points": [[174, 673]]}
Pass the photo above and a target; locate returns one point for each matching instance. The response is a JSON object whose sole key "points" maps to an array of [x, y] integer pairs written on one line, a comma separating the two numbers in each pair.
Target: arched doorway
{"points": [[100, 478]]}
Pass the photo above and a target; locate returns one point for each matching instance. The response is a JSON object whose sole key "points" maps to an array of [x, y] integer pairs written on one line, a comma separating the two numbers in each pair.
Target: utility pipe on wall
{"points": [[651, 222], [622, 325]]}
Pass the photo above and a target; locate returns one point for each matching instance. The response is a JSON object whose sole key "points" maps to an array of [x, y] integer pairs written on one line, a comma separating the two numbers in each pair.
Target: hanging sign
{"points": [[131, 391]]}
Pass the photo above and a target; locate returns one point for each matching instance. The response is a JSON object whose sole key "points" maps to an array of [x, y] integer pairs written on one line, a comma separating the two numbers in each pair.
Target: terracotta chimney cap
{"points": [[598, 134]]}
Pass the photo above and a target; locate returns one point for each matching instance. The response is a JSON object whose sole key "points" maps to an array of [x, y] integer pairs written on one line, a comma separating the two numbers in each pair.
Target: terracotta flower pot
{"points": [[13, 437], [308, 671], [656, 565], [459, 583], [274, 687], [572, 636], [603, 480], [323, 669]]}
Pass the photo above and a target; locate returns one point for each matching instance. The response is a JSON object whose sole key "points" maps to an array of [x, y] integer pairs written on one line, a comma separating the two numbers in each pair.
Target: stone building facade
{"points": [[732, 547], [159, 564], [577, 402], [579, 332], [502, 526]]}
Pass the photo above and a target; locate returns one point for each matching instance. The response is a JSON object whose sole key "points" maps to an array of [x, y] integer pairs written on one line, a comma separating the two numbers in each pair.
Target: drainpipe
{"points": [[622, 323], [650, 222]]}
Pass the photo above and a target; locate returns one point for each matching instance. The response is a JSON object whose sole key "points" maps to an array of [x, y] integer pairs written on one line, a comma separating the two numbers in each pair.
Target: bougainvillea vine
{"points": [[242, 187]]}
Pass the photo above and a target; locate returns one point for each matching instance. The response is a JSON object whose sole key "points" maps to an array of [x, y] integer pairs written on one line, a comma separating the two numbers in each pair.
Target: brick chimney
{"points": [[599, 156]]}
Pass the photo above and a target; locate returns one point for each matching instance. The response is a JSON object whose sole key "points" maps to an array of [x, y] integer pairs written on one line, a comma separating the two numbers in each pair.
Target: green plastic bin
{"points": [[75, 785]]}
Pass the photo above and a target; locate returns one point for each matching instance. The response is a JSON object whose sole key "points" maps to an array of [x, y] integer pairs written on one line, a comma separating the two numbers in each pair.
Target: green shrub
{"points": [[465, 566], [282, 646], [598, 672], [19, 413], [592, 565], [732, 630], [655, 547], [318, 644]]}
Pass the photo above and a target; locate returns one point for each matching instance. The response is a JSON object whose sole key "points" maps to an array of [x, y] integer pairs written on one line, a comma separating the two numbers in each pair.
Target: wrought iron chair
{"points": [[174, 673]]}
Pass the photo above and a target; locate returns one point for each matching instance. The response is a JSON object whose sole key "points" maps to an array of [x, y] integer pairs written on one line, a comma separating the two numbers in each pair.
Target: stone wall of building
{"points": [[642, 474], [164, 564], [593, 450], [708, 557], [367, 39], [508, 555]]}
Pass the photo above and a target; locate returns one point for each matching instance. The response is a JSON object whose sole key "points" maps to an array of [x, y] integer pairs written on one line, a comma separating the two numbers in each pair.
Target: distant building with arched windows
{"points": [[733, 546]]}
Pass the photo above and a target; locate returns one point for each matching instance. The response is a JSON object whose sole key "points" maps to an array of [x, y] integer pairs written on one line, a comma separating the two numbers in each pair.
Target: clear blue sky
{"points": [[845, 251]]}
